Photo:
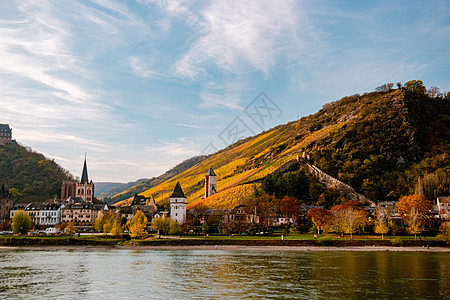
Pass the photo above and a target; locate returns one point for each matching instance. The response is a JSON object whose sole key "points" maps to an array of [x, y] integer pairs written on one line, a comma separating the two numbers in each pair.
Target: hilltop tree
{"points": [[137, 224], [414, 210], [435, 92], [415, 86], [21, 222]]}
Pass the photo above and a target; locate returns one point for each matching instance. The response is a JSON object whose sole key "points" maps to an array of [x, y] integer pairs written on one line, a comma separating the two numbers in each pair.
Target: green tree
{"points": [[161, 224], [174, 227], [21, 222], [416, 86], [137, 224], [205, 228]]}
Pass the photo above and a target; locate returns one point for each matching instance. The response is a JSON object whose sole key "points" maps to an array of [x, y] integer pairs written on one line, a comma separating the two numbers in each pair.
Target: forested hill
{"points": [[384, 144], [30, 174]]}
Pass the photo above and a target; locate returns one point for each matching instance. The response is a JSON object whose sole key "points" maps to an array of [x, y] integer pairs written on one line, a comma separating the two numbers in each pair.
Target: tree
{"points": [[319, 216], [290, 207], [174, 227], [348, 217], [161, 224], [264, 206], [70, 228], [381, 221], [435, 92], [385, 87], [414, 210], [415, 86], [116, 229], [205, 228], [104, 221], [137, 224], [21, 222]]}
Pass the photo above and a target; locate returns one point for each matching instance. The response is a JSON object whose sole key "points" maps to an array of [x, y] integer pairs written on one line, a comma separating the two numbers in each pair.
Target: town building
{"points": [[32, 209], [178, 204], [6, 202], [210, 183], [82, 213], [145, 204], [50, 214], [442, 207], [5, 134]]}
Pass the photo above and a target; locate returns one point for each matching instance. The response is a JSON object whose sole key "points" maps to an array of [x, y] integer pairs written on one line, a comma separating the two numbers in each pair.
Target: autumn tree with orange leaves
{"points": [[290, 208], [414, 210], [320, 217]]}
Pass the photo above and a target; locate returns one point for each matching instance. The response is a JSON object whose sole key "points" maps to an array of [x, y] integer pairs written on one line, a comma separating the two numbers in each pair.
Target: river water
{"points": [[218, 274]]}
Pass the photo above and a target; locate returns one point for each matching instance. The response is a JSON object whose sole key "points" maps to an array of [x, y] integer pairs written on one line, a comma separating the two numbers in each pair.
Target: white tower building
{"points": [[178, 205], [210, 183]]}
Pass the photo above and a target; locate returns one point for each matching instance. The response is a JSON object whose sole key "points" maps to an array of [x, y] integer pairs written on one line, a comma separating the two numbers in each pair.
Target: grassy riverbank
{"points": [[288, 240]]}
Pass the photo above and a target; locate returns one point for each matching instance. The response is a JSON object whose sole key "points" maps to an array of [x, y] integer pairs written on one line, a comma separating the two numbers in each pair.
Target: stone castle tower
{"points": [[178, 205], [210, 183], [85, 189]]}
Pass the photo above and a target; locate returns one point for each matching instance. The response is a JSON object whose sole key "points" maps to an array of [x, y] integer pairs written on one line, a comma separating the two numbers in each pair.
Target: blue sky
{"points": [[142, 85]]}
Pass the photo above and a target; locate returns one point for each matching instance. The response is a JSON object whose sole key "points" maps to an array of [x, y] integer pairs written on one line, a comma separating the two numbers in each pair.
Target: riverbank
{"points": [[230, 248], [249, 243]]}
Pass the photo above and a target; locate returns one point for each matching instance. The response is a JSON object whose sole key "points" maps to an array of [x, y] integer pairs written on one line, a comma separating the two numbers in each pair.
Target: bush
{"points": [[397, 242], [325, 240]]}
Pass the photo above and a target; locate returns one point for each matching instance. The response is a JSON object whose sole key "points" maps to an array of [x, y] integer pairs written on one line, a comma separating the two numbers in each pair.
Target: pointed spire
{"points": [[84, 175], [178, 192], [211, 172]]}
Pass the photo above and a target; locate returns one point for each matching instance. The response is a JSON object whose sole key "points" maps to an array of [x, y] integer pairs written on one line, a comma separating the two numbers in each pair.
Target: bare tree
{"points": [[435, 92], [381, 221]]}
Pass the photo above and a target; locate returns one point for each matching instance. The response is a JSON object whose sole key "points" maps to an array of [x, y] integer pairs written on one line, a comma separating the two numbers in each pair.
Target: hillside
{"points": [[379, 143], [34, 177], [101, 188], [128, 190]]}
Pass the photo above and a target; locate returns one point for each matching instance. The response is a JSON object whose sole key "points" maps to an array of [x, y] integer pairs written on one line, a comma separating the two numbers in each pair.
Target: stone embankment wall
{"points": [[331, 182]]}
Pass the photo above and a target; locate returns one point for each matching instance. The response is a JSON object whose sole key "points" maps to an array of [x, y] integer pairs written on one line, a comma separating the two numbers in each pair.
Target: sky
{"points": [[139, 86]]}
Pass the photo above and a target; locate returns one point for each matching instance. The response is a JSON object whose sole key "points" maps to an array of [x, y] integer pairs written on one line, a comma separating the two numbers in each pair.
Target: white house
{"points": [[50, 214], [178, 205]]}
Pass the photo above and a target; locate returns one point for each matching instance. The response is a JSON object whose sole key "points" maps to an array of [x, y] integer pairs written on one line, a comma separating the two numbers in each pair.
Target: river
{"points": [[219, 274]]}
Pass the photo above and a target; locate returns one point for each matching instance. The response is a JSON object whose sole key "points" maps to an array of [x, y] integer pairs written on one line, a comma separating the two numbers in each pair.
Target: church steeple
{"points": [[84, 175]]}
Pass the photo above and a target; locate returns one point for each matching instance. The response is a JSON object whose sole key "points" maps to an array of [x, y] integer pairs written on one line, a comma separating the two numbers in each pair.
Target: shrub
{"points": [[397, 242]]}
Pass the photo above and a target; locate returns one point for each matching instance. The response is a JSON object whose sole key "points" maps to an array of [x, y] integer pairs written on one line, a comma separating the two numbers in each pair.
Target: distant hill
{"points": [[102, 187], [34, 177], [110, 189], [131, 188], [379, 143]]}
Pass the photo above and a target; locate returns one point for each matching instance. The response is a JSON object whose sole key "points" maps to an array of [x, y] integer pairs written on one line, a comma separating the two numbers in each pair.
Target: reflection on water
{"points": [[187, 274]]}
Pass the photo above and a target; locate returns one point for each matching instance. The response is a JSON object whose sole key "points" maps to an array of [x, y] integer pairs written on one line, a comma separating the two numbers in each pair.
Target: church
{"points": [[83, 189]]}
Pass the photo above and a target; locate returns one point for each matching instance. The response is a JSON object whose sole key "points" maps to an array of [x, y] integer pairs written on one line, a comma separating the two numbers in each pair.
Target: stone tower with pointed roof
{"points": [[210, 183], [85, 189], [178, 205]]}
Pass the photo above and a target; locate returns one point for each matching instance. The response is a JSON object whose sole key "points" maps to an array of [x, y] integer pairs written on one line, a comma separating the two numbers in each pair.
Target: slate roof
{"points": [[178, 192], [211, 172], [4, 127], [84, 175]]}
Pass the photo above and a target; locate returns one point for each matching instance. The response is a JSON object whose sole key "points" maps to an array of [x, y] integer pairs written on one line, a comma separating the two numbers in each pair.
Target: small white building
{"points": [[51, 214], [178, 205]]}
